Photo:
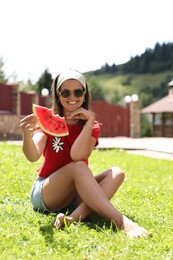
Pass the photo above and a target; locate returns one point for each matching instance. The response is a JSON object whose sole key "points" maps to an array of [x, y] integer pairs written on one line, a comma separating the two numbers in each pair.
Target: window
{"points": [[158, 119], [168, 119]]}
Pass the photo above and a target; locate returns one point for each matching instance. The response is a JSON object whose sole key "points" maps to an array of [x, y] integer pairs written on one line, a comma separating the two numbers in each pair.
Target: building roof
{"points": [[161, 106]]}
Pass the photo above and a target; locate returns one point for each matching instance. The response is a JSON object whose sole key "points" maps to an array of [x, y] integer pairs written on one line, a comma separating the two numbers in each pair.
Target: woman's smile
{"points": [[72, 102]]}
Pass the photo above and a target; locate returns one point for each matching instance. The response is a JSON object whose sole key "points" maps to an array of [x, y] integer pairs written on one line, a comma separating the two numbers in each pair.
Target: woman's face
{"points": [[71, 102]]}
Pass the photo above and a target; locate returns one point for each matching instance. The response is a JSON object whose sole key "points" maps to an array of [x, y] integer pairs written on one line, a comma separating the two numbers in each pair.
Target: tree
{"points": [[106, 69], [27, 86], [116, 98], [96, 91], [45, 81], [2, 74], [113, 68], [154, 60]]}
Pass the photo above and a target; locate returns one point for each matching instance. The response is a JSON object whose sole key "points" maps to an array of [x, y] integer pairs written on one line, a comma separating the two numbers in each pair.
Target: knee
{"points": [[117, 173], [78, 165]]}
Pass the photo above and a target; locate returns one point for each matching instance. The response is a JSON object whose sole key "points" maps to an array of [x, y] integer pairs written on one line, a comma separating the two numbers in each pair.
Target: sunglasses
{"points": [[65, 93]]}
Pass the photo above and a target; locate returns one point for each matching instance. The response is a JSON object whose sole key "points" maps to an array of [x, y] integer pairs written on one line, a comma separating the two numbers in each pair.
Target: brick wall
{"points": [[14, 105], [9, 127], [135, 124]]}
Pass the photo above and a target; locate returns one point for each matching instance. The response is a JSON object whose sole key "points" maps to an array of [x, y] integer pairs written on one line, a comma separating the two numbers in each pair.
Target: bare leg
{"points": [[93, 196], [109, 180]]}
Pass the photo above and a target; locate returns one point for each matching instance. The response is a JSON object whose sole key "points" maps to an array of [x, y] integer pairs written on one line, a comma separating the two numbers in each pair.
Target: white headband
{"points": [[70, 74]]}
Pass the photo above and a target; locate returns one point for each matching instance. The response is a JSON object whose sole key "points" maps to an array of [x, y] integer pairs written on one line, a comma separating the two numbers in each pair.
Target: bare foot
{"points": [[133, 230], [61, 220], [137, 232]]}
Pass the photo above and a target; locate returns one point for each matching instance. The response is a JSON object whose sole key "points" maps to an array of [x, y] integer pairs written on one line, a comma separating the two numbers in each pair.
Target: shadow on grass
{"points": [[94, 221], [47, 229], [99, 223]]}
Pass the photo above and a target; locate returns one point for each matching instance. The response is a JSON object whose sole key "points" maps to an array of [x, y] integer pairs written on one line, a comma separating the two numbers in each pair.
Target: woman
{"points": [[65, 181]]}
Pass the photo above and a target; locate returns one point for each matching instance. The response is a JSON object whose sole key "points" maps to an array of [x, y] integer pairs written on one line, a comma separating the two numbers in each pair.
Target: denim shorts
{"points": [[37, 201]]}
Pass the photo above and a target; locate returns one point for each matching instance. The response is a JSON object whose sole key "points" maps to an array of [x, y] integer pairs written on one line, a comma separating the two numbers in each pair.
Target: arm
{"points": [[84, 144], [33, 144]]}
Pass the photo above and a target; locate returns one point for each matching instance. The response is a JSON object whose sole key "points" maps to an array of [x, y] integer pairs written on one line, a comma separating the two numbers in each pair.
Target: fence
{"points": [[115, 120]]}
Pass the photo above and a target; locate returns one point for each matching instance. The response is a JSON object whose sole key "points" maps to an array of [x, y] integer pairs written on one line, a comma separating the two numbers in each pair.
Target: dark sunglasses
{"points": [[65, 93]]}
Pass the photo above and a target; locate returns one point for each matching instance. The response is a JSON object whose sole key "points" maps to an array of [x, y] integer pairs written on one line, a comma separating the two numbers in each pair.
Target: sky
{"points": [[81, 34]]}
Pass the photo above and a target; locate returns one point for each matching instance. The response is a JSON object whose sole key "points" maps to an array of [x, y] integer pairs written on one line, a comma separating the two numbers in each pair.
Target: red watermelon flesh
{"points": [[50, 123]]}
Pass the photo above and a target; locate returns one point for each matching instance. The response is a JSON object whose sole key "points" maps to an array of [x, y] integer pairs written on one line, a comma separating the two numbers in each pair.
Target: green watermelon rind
{"points": [[57, 134]]}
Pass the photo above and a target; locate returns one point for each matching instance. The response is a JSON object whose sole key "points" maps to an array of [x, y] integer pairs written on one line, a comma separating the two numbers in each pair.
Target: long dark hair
{"points": [[57, 108]]}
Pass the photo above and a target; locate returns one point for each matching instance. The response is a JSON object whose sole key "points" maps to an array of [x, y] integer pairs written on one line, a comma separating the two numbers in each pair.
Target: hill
{"points": [[149, 87], [146, 75]]}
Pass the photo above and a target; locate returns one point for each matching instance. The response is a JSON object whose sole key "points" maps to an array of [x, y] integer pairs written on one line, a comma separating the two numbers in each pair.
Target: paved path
{"points": [[161, 148]]}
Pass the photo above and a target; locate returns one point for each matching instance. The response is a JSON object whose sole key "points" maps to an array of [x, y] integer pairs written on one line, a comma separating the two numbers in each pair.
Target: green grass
{"points": [[146, 197], [137, 83]]}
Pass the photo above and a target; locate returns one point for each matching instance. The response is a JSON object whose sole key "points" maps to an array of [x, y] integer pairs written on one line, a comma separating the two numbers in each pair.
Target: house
{"points": [[162, 114]]}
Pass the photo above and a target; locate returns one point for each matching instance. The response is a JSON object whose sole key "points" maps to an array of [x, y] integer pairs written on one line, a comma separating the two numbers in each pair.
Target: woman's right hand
{"points": [[33, 144], [29, 124]]}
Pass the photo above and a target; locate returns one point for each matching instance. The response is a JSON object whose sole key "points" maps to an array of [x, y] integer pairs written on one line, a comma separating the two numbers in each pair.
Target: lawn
{"points": [[145, 196]]}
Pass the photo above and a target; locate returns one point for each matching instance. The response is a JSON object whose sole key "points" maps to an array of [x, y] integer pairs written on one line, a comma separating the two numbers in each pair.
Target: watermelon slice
{"points": [[50, 123]]}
